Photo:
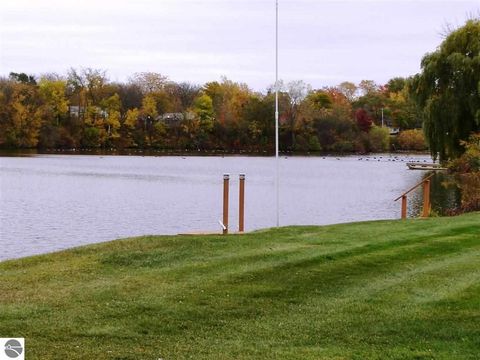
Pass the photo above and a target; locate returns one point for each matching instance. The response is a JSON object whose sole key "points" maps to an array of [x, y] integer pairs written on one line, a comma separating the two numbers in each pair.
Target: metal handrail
{"points": [[414, 187]]}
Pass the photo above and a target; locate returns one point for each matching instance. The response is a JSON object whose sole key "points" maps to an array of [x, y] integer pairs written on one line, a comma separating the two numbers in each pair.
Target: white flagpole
{"points": [[277, 182]]}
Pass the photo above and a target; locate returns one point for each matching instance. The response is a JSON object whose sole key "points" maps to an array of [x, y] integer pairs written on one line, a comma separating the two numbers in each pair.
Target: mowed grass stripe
{"points": [[374, 290]]}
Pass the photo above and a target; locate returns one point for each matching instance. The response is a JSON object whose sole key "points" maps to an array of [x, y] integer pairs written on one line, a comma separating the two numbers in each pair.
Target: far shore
{"points": [[186, 152]]}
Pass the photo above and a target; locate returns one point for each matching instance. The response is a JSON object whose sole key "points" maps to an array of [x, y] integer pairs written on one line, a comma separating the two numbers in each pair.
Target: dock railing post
{"points": [[241, 204], [426, 199], [404, 207], [226, 178]]}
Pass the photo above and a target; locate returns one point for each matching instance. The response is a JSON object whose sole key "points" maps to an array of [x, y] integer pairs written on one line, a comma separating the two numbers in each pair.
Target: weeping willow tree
{"points": [[448, 90]]}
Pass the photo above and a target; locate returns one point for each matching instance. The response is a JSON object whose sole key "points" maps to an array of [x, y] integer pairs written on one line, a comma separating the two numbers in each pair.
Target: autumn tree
{"points": [[368, 87], [86, 89], [111, 107], [341, 105], [24, 117], [296, 91], [364, 120], [153, 128], [348, 89], [131, 130], [6, 91], [228, 98], [149, 82], [332, 120], [53, 111], [53, 96], [311, 111], [320, 100], [182, 94], [412, 140], [373, 99]]}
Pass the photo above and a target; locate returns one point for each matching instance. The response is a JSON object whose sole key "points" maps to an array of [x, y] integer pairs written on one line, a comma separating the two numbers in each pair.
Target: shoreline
{"points": [[206, 233], [193, 153]]}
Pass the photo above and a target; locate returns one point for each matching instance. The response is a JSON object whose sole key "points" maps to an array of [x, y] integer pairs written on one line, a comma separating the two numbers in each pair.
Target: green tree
{"points": [[402, 110], [203, 108], [379, 139], [257, 115], [23, 78], [396, 84], [373, 100], [320, 100], [448, 89], [198, 129]]}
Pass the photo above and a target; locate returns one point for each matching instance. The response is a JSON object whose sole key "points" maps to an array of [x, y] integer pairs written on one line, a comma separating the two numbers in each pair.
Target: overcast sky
{"points": [[321, 42]]}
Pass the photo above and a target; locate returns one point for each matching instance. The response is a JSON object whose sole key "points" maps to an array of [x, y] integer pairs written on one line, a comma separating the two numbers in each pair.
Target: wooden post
{"points": [[404, 207], [426, 199], [241, 204], [226, 178]]}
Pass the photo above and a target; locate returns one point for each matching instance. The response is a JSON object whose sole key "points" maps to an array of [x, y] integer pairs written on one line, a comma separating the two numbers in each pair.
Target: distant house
{"points": [[394, 130], [78, 111], [174, 119]]}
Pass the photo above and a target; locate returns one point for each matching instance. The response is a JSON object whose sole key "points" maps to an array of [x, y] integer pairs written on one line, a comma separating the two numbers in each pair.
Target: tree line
{"points": [[84, 109]]}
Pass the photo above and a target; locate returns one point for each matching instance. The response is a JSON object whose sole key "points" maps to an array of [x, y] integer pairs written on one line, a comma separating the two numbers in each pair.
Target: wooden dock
{"points": [[425, 166]]}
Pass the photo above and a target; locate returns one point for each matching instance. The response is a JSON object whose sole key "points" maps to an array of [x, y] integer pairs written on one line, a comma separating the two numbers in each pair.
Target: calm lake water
{"points": [[51, 202]]}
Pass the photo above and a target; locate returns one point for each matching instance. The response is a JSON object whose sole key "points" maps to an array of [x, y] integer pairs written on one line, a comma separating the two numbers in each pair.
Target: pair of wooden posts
{"points": [[426, 198], [241, 203]]}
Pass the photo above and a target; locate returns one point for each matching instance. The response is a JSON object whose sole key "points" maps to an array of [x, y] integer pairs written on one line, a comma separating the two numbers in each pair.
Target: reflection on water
{"points": [[51, 202], [443, 194]]}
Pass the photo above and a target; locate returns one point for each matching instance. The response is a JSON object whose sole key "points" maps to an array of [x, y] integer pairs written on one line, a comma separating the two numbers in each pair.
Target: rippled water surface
{"points": [[51, 202]]}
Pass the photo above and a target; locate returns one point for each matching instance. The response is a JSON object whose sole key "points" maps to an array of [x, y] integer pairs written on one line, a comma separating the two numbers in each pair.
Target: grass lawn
{"points": [[372, 290]]}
